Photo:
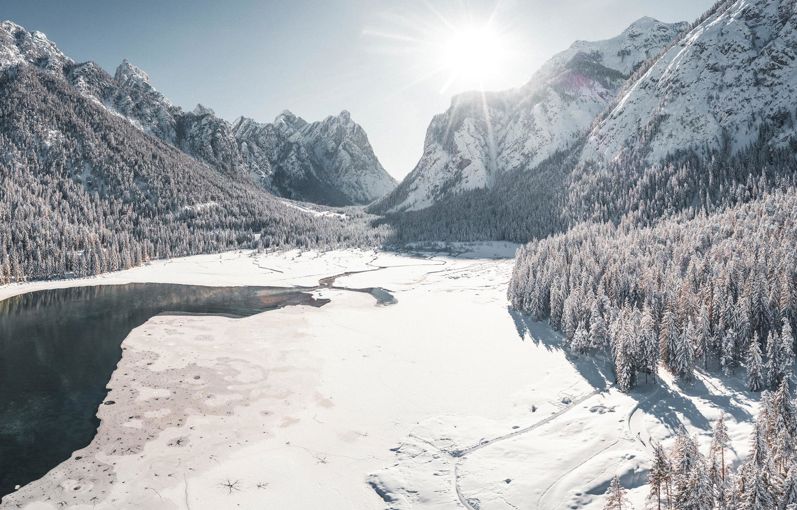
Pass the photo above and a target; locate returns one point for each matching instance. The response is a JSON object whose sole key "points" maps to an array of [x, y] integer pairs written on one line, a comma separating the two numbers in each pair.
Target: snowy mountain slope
{"points": [[18, 46], [298, 159], [483, 135], [330, 163], [731, 73]]}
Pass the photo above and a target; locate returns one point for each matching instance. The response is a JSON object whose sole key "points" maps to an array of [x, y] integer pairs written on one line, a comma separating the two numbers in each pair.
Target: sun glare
{"points": [[458, 51], [471, 54]]}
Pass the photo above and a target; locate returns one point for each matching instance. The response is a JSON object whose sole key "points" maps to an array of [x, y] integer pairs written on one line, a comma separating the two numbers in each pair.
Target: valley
{"points": [[583, 295], [368, 405]]}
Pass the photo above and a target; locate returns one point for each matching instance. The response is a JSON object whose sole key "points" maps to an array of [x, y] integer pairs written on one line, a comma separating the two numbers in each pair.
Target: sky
{"points": [[392, 64]]}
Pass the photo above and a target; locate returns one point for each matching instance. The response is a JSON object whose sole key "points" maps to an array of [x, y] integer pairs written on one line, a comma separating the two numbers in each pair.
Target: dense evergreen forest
{"points": [[716, 290], [84, 192]]}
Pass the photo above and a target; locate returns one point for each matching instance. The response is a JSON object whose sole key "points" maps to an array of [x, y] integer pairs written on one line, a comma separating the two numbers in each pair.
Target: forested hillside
{"points": [[84, 191], [719, 291]]}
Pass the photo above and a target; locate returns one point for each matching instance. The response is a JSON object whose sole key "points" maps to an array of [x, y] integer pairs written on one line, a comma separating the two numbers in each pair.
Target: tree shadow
{"points": [[654, 397], [597, 370]]}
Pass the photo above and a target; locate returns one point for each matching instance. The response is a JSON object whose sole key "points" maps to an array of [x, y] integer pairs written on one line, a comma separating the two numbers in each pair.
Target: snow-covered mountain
{"points": [[329, 162], [483, 135], [331, 158], [734, 71]]}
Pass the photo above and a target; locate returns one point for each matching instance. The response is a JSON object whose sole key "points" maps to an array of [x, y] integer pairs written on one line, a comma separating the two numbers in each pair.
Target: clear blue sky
{"points": [[316, 58]]}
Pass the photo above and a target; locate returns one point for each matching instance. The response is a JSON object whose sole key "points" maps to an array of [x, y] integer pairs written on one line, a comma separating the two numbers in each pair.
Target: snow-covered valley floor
{"points": [[442, 400]]}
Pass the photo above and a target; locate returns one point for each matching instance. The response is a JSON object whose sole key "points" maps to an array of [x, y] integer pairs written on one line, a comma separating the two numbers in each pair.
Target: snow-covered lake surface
{"points": [[443, 400], [60, 346]]}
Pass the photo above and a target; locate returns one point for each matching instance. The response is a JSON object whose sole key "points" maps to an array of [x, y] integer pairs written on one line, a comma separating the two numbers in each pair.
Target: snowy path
{"points": [[461, 454]]}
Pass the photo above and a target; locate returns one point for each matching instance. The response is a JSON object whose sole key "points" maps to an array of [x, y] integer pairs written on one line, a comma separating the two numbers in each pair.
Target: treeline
{"points": [[686, 182], [522, 205], [83, 192], [717, 290], [562, 192]]}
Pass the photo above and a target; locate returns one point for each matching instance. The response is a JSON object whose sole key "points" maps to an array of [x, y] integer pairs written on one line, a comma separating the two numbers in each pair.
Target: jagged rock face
{"points": [[331, 158], [328, 162], [483, 135], [207, 137], [713, 89], [18, 46]]}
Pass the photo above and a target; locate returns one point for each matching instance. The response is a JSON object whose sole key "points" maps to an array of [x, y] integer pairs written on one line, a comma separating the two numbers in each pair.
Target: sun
{"points": [[458, 51], [471, 54]]}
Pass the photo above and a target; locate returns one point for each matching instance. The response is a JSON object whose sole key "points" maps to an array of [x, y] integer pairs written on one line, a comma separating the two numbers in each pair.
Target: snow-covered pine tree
{"points": [[775, 367], [570, 315], [682, 359], [754, 366], [700, 493], [719, 443], [648, 342], [703, 340], [597, 327], [580, 343], [557, 299], [615, 496], [787, 346], [660, 476], [755, 489], [668, 337], [624, 372], [685, 456], [788, 491], [728, 360], [781, 427]]}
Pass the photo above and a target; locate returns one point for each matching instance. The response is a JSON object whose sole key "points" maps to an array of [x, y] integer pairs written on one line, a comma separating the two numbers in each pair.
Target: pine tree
{"points": [[624, 366], [787, 346], [557, 300], [597, 327], [775, 367], [756, 491], [789, 489], [660, 476], [615, 496], [685, 457], [700, 493], [580, 343], [648, 342], [682, 359], [703, 336], [719, 442], [754, 365], [728, 352], [668, 337], [781, 426]]}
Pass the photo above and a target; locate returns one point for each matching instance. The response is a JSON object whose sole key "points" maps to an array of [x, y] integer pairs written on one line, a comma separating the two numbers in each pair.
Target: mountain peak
{"points": [[201, 109], [644, 22], [464, 151], [10, 26], [285, 116], [127, 72], [713, 87], [18, 46]]}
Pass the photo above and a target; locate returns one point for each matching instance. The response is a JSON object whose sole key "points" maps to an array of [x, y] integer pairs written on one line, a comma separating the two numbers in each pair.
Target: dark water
{"points": [[58, 349]]}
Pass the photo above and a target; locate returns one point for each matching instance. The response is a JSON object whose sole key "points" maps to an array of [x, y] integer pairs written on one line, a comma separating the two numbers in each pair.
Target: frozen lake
{"points": [[59, 347]]}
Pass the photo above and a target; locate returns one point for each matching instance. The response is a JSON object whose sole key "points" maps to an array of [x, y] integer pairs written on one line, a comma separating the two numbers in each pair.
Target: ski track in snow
{"points": [[461, 454]]}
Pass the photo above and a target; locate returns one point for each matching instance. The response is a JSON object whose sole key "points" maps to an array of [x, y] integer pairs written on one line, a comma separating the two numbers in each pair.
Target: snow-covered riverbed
{"points": [[443, 400]]}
